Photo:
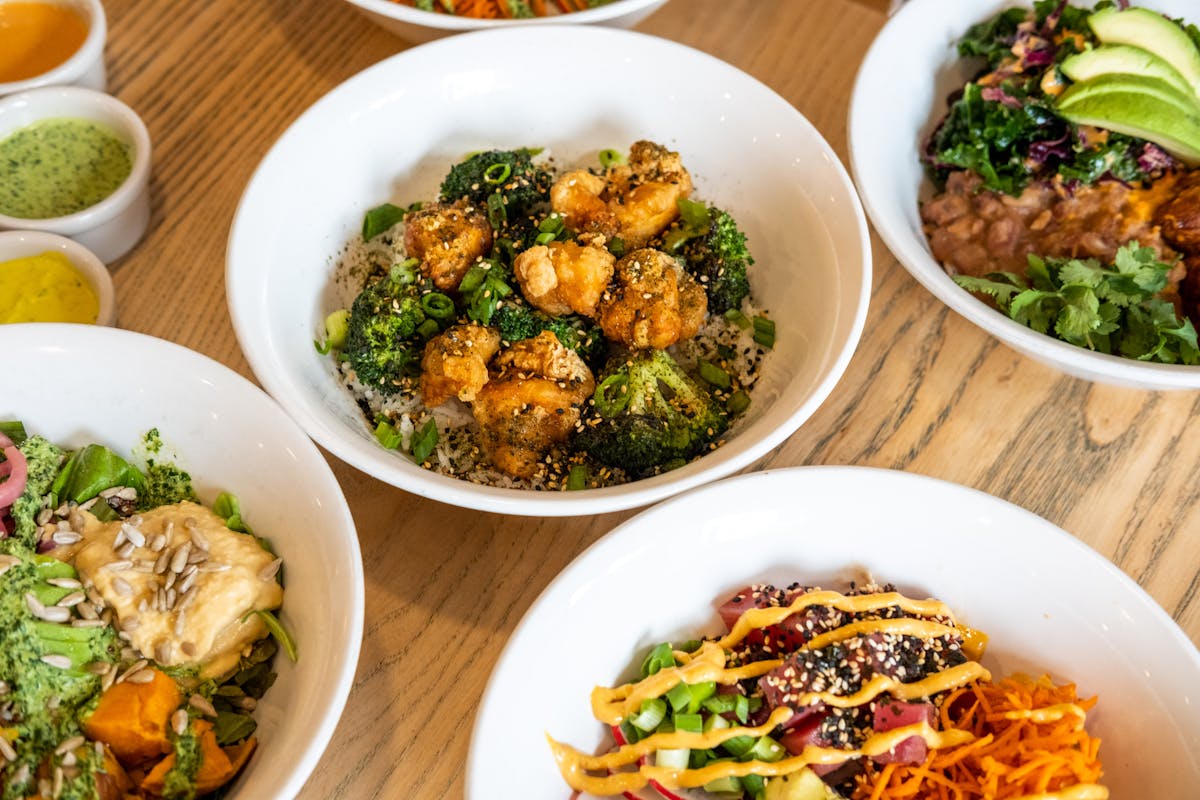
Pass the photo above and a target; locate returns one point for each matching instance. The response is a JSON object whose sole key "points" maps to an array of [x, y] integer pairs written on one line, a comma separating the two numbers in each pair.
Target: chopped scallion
{"points": [[497, 213], [336, 326], [661, 657], [699, 693], [387, 435], [766, 749], [672, 759], [424, 442], [610, 158], [497, 173], [679, 697], [437, 305], [741, 708], [612, 395], [650, 715], [544, 238], [380, 219], [738, 402], [14, 430], [577, 477], [689, 723], [764, 331], [714, 375], [616, 246], [738, 318], [429, 329], [278, 631]]}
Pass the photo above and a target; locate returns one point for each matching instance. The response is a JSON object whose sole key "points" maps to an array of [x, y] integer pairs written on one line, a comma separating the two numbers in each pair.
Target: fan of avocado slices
{"points": [[1143, 80]]}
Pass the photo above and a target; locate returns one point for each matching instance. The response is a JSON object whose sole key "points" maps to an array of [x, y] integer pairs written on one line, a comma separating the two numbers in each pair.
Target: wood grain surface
{"points": [[218, 82]]}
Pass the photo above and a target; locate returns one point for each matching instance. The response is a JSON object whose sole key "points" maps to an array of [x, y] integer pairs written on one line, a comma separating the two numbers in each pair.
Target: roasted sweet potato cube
{"points": [[132, 718], [217, 765]]}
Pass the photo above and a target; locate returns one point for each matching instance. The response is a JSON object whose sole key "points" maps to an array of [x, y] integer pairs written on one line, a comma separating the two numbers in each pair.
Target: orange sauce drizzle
{"points": [[37, 37]]}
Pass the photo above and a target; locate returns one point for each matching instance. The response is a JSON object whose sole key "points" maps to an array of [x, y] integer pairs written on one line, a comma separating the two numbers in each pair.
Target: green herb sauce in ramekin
{"points": [[57, 167]]}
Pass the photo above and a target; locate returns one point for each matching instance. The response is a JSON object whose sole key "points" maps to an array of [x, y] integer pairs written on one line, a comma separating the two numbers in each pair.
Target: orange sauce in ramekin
{"points": [[37, 37]]}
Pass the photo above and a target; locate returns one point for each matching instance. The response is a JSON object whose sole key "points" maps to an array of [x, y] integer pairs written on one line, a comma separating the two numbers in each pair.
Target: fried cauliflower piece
{"points": [[635, 201], [645, 192], [447, 239], [455, 363], [531, 402], [561, 277], [653, 302]]}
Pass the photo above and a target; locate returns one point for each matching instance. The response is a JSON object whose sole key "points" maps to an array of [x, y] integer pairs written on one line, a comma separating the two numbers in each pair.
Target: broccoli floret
{"points": [[715, 253], [505, 182], [382, 340], [517, 322], [648, 414]]}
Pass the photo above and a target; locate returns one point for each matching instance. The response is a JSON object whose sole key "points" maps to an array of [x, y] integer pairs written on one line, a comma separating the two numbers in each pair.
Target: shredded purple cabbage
{"points": [[1043, 151], [1154, 159], [1053, 19], [1042, 57], [997, 95]]}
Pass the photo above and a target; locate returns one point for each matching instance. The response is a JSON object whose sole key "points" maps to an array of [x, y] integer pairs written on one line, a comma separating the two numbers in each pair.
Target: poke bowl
{"points": [[1046, 201], [417, 24], [294, 237], [190, 580], [1067, 614]]}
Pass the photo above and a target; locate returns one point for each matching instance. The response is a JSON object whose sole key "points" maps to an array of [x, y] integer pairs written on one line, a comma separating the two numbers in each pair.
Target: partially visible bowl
{"points": [[85, 67], [20, 244], [76, 384], [111, 227], [1049, 604], [888, 128], [750, 151], [423, 26]]}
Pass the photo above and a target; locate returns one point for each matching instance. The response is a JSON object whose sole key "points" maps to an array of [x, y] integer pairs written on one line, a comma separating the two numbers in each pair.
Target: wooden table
{"points": [[218, 82]]}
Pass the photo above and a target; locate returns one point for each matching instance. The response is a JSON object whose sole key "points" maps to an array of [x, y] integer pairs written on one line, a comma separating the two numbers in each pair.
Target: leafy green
{"points": [[92, 470], [227, 507], [1116, 156], [993, 38], [380, 219], [483, 289], [14, 430], [1109, 308], [277, 630], [231, 727]]}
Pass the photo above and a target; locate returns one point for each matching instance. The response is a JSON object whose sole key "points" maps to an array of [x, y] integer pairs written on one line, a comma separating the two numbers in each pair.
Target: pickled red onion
{"points": [[12, 488]]}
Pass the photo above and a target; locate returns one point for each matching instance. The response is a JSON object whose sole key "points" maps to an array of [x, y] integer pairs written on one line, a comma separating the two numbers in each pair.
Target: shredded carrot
{"points": [[1012, 756]]}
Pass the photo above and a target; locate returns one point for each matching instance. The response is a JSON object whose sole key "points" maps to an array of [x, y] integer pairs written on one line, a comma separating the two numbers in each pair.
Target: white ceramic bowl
{"points": [[115, 386], [113, 226], [393, 131], [899, 97], [19, 244], [422, 26], [84, 68], [1050, 605]]}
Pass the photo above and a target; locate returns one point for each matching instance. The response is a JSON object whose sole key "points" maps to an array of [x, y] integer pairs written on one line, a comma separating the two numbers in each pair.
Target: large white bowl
{"points": [[899, 97], [423, 26], [1049, 603], [391, 133], [76, 384]]}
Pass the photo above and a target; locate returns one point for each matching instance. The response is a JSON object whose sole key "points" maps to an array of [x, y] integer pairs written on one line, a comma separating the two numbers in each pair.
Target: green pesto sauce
{"points": [[166, 484], [152, 441], [60, 166], [42, 460], [180, 781]]}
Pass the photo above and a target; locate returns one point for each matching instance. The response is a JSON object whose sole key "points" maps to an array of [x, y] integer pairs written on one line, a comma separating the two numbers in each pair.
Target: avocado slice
{"points": [[1150, 31], [1122, 59], [1146, 108]]}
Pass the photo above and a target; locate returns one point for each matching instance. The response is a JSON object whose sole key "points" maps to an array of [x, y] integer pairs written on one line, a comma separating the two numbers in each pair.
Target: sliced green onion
{"points": [[764, 331], [679, 697], [380, 219], [14, 430], [424, 442], [616, 246], [755, 704], [387, 435], [738, 746], [650, 716], [754, 785], [699, 693], [690, 646], [720, 703], [765, 749], [438, 305], [661, 657], [473, 279], [497, 213], [405, 272], [672, 759], [544, 238], [227, 507], [610, 158], [497, 173], [741, 708], [429, 329], [715, 722], [612, 395], [738, 318], [726, 785], [738, 402], [700, 758], [336, 325], [322, 347], [629, 732], [552, 224], [278, 631], [689, 723], [714, 375], [577, 477]]}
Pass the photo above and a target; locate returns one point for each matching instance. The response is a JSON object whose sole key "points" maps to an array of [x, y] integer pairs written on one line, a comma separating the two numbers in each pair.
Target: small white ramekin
{"points": [[115, 224], [86, 67], [20, 244]]}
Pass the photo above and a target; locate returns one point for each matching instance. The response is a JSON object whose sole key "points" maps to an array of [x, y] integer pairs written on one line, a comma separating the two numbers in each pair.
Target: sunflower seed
{"points": [[57, 787], [97, 667], [6, 750], [65, 583], [188, 648], [117, 566], [44, 787], [62, 510], [162, 653], [34, 604], [87, 506], [179, 722], [270, 570], [66, 537], [130, 624], [135, 520], [127, 493], [187, 582], [134, 668], [69, 744], [199, 540], [172, 595], [170, 580], [162, 562], [53, 702], [73, 599], [7, 562], [125, 550], [119, 539], [107, 681], [109, 492], [43, 516], [141, 676], [134, 535], [188, 598], [122, 587], [159, 542], [247, 703], [197, 556], [203, 706], [55, 660], [180, 622], [53, 614], [213, 566], [4, 688], [143, 606], [179, 560], [67, 761]]}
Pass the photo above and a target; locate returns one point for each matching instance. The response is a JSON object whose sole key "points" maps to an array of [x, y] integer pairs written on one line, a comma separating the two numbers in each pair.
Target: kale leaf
{"points": [[993, 38]]}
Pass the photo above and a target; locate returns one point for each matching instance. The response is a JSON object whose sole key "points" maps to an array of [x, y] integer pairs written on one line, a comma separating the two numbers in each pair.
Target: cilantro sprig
{"points": [[1109, 308]]}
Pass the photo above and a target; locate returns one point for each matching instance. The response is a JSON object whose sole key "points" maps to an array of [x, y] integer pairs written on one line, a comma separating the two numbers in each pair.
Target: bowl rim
{"points": [[613, 541], [84, 103], [915, 257], [83, 259], [198, 364], [398, 472], [448, 22], [89, 53]]}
